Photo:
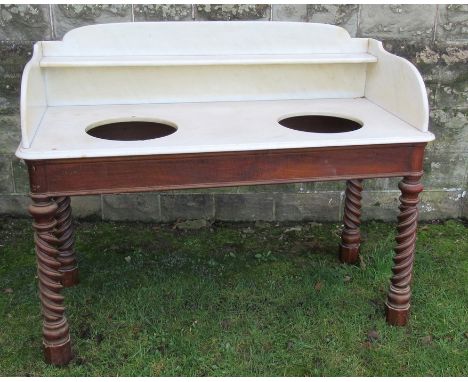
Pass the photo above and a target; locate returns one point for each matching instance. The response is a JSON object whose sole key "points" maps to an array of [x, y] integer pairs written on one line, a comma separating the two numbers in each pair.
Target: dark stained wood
{"points": [[65, 235], [167, 172], [351, 235], [398, 298], [56, 336]]}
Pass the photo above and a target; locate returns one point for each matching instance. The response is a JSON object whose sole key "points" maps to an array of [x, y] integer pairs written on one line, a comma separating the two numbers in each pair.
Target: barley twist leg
{"points": [[351, 235], [398, 298], [65, 234], [56, 336]]}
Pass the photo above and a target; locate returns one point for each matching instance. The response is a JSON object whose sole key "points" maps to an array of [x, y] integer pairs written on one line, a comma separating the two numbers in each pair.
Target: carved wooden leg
{"points": [[56, 337], [398, 298], [351, 235], [65, 235]]}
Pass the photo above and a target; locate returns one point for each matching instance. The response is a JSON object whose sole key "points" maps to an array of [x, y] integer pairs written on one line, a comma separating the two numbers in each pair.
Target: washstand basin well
{"points": [[321, 124], [131, 130]]}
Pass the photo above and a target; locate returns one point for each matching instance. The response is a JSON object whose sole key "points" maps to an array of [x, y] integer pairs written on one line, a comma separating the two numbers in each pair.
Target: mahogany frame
{"points": [[53, 181]]}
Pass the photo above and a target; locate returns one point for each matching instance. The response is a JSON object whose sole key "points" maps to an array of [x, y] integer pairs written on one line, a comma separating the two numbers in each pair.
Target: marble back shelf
{"points": [[179, 63], [158, 106]]}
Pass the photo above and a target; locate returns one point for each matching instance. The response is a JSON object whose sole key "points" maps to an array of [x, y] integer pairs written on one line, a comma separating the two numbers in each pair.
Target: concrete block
{"points": [[336, 185], [6, 175], [452, 23], [20, 176], [343, 15], [380, 205], [10, 134], [445, 170], [452, 92], [450, 127], [316, 206], [272, 188], [69, 16], [397, 21], [25, 22], [244, 207], [290, 12], [13, 57], [133, 207], [464, 208], [162, 12], [86, 207], [441, 204], [187, 206], [232, 12], [15, 205], [216, 190]]}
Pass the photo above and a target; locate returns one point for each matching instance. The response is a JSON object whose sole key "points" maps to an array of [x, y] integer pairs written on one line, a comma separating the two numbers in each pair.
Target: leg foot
{"points": [[56, 335], [58, 355], [65, 235], [399, 295], [351, 235]]}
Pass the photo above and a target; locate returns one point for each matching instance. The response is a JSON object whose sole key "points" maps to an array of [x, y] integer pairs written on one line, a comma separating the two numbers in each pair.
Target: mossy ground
{"points": [[239, 300]]}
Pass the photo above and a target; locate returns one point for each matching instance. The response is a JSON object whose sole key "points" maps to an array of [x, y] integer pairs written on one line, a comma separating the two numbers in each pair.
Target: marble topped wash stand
{"points": [[161, 106]]}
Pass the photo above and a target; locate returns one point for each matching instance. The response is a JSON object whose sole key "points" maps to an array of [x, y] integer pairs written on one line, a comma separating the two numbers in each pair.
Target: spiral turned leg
{"points": [[398, 298], [351, 235], [56, 336], [65, 235]]}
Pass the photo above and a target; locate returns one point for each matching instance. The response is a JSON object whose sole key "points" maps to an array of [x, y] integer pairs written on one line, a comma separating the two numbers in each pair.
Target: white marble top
{"points": [[214, 127]]}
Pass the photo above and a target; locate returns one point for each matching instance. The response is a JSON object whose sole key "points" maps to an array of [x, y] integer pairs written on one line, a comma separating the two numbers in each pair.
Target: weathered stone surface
{"points": [[440, 204], [339, 185], [452, 23], [217, 190], [401, 21], [10, 134], [25, 22], [142, 207], [13, 58], [270, 188], [162, 12], [15, 205], [343, 15], [434, 205], [453, 82], [450, 127], [290, 12], [368, 184], [20, 176], [244, 207], [232, 12], [464, 212], [86, 207], [6, 178], [319, 206], [187, 206], [445, 169], [380, 205], [407, 30], [69, 16]]}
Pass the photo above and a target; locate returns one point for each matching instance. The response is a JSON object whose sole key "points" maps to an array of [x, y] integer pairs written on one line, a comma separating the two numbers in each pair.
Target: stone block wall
{"points": [[433, 37]]}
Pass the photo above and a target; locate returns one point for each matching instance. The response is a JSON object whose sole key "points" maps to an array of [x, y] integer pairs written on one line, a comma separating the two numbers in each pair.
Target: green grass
{"points": [[234, 300]]}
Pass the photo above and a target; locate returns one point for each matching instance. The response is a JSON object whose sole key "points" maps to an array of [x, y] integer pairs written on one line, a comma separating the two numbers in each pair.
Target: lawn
{"points": [[238, 299]]}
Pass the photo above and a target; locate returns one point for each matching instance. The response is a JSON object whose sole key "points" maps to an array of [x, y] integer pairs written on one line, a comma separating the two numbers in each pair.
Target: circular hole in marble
{"points": [[131, 130], [323, 124]]}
